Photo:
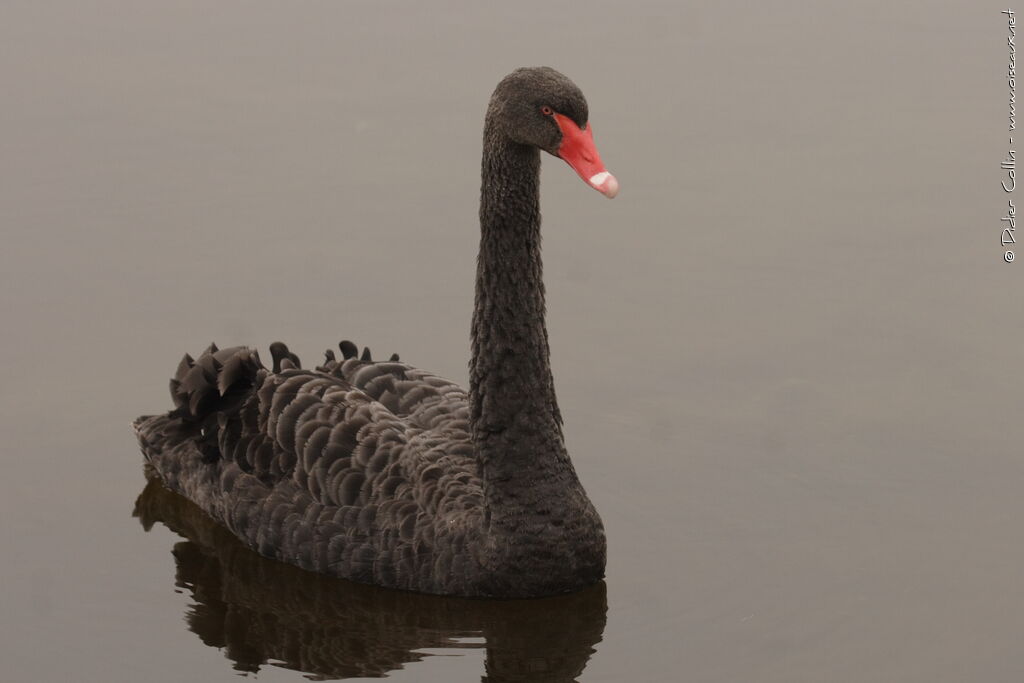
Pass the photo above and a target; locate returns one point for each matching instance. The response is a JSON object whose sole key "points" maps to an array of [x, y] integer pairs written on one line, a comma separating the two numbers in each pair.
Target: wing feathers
{"points": [[337, 468]]}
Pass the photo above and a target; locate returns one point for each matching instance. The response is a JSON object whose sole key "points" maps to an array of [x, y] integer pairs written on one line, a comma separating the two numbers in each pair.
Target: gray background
{"points": [[788, 355]]}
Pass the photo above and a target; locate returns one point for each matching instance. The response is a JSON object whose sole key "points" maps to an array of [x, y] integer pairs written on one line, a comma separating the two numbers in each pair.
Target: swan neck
{"points": [[515, 419]]}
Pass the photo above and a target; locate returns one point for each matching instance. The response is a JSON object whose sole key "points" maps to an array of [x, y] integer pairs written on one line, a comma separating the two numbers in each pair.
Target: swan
{"points": [[382, 473]]}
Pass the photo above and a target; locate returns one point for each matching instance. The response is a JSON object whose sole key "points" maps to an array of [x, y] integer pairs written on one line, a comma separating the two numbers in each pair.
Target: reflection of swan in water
{"points": [[258, 610]]}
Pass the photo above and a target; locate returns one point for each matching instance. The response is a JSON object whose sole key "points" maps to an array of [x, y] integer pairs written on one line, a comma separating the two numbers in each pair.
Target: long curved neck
{"points": [[514, 418]]}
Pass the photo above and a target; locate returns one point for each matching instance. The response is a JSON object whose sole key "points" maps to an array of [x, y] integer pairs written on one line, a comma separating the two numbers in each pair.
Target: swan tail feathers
{"points": [[204, 389], [213, 381]]}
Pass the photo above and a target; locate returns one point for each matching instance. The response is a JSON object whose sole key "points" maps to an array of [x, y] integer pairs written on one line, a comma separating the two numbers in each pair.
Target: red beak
{"points": [[578, 150]]}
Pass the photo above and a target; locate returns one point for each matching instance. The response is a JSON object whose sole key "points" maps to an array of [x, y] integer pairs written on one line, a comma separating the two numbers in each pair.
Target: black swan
{"points": [[382, 473]]}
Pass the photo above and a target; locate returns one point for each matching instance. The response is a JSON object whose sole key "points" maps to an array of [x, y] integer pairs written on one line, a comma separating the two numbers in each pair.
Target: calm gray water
{"points": [[788, 355]]}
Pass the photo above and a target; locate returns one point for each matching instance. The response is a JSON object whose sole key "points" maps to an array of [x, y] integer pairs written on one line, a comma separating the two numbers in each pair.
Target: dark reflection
{"points": [[260, 611]]}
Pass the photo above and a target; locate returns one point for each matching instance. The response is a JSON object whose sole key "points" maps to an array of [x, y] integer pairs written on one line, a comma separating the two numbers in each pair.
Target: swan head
{"points": [[540, 107]]}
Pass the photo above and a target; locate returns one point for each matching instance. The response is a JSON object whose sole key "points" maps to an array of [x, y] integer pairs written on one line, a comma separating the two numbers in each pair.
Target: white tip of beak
{"points": [[605, 183]]}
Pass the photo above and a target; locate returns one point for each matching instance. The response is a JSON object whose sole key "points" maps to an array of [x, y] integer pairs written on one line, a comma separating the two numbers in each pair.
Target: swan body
{"points": [[382, 473]]}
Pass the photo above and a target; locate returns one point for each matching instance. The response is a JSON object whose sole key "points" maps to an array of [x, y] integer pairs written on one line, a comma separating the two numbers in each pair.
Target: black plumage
{"points": [[383, 473], [283, 357]]}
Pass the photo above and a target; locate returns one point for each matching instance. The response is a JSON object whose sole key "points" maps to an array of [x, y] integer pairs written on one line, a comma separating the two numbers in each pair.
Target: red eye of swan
{"points": [[547, 111]]}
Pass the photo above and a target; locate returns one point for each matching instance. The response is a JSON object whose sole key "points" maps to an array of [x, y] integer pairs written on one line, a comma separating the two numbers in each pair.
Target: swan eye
{"points": [[546, 110]]}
